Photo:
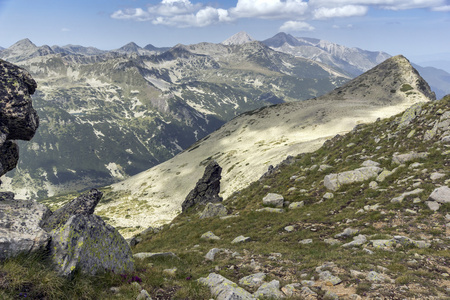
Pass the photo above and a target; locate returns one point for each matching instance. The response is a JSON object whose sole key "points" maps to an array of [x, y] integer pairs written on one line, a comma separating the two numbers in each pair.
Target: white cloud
{"points": [[296, 26], [383, 4], [184, 13], [443, 8], [269, 9], [340, 12]]}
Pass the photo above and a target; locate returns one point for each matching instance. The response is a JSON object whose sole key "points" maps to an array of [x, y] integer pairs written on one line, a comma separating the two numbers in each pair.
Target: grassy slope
{"points": [[416, 272]]}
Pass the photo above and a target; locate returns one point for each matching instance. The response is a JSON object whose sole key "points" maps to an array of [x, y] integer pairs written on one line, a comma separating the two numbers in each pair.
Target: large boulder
{"points": [[335, 181], [20, 230], [83, 240], [207, 188], [88, 243], [18, 119]]}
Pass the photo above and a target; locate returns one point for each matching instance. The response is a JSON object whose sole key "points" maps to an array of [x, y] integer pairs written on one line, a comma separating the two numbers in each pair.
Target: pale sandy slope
{"points": [[248, 144]]}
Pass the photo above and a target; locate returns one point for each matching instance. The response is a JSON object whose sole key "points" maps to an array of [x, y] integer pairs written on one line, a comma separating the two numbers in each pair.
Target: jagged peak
{"points": [[239, 38], [24, 43]]}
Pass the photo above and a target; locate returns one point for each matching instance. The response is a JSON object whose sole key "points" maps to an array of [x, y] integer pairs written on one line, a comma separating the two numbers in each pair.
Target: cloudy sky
{"points": [[410, 27]]}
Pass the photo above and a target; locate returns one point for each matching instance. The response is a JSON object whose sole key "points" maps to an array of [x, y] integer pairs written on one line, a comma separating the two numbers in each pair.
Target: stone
{"points": [[328, 195], [324, 167], [170, 272], [329, 278], [373, 185], [20, 230], [370, 163], [212, 253], [82, 205], [213, 210], [241, 239], [400, 198], [275, 200], [382, 176], [271, 209], [331, 241], [346, 233], [403, 158], [357, 241], [329, 295], [409, 115], [207, 188], [433, 205], [292, 289], [269, 290], [373, 276], [436, 175], [143, 255], [306, 241], [209, 236], [334, 181], [18, 119], [382, 244], [253, 281], [289, 228], [143, 295], [441, 195], [224, 289], [295, 205], [88, 243]]}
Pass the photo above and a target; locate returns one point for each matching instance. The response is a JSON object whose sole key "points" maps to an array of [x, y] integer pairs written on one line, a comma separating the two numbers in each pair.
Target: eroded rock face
{"points": [[207, 188], [20, 230], [18, 119]]}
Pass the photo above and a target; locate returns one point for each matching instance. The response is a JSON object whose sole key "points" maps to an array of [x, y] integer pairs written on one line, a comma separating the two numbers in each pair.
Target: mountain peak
{"points": [[282, 38], [395, 75], [238, 39], [23, 45]]}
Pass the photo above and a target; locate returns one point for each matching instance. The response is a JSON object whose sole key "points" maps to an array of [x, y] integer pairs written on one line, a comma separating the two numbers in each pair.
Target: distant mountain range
{"points": [[108, 115]]}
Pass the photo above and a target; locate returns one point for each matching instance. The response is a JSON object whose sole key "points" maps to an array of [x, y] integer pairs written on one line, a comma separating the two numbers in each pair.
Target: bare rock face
{"points": [[20, 230], [18, 119], [207, 188]]}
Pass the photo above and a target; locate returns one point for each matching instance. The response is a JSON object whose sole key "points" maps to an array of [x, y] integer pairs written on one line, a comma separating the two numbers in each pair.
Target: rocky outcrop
{"points": [[207, 188], [83, 240], [20, 230], [18, 119]]}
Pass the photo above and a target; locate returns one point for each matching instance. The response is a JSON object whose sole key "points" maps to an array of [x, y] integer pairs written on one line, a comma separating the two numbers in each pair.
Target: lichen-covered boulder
{"points": [[88, 243], [207, 188], [335, 181], [18, 119], [213, 210], [224, 289], [20, 230], [82, 205]]}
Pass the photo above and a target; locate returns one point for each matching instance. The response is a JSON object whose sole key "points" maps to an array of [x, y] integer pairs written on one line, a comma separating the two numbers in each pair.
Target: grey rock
{"points": [[213, 210], [18, 119], [289, 228], [295, 205], [382, 176], [209, 236], [357, 241], [346, 233], [271, 209], [20, 230], [400, 198], [143, 255], [82, 205], [370, 163], [87, 243], [273, 199], [403, 158], [328, 195], [335, 181], [269, 290], [241, 239], [207, 188], [291, 289], [212, 253], [436, 175], [441, 195], [373, 276], [224, 289], [143, 295], [253, 281], [331, 241], [329, 295], [382, 244], [409, 115], [328, 277], [306, 241]]}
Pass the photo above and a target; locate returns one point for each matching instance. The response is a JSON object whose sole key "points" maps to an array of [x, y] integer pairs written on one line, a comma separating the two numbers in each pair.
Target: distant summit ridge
{"points": [[238, 39]]}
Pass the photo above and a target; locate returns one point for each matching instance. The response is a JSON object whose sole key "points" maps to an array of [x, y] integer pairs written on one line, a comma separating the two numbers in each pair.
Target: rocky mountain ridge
{"points": [[135, 111], [247, 145]]}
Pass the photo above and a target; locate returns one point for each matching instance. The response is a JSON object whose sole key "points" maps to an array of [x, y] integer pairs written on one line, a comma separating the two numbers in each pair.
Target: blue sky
{"points": [[410, 27]]}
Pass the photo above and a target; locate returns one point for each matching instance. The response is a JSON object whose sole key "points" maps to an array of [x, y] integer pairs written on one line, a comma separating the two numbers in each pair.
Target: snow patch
{"points": [[115, 170]]}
